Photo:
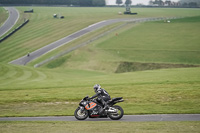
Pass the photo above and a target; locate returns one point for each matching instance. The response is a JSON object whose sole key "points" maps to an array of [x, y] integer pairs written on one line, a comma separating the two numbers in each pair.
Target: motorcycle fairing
{"points": [[90, 106]]}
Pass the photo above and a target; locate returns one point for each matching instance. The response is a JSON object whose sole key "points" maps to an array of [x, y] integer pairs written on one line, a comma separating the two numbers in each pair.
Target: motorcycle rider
{"points": [[102, 95]]}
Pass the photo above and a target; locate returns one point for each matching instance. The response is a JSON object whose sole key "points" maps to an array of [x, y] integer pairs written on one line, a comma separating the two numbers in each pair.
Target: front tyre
{"points": [[81, 114], [118, 115]]}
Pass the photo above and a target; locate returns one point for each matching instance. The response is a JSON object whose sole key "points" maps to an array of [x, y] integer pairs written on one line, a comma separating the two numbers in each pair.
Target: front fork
{"points": [[81, 108]]}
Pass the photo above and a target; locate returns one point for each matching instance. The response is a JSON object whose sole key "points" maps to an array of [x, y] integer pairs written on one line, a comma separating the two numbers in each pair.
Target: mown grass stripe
{"points": [[16, 75], [3, 71], [12, 75], [26, 75]]}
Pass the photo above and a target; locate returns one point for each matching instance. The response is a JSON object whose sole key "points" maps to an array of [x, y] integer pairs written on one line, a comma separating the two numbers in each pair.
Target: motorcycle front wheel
{"points": [[118, 115], [80, 114]]}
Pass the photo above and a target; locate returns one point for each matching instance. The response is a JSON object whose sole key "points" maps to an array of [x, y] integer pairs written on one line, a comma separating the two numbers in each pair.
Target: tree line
{"points": [[127, 2], [57, 2], [180, 3], [190, 3]]}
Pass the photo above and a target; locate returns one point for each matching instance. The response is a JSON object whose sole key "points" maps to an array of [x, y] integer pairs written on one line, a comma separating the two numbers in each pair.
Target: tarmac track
{"points": [[125, 118], [25, 59], [11, 21]]}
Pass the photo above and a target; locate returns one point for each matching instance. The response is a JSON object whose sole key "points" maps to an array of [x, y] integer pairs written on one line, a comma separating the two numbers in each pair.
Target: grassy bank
{"points": [[57, 87], [41, 92], [151, 42]]}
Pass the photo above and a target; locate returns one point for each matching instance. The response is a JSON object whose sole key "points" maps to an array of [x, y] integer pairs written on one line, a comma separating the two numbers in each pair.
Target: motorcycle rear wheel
{"points": [[118, 115], [81, 114]]}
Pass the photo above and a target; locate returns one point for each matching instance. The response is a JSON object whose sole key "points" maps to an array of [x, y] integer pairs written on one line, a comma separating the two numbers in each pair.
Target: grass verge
{"points": [[99, 127], [4, 16]]}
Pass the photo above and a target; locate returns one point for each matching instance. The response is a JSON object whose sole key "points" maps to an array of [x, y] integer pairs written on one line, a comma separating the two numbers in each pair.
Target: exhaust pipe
{"points": [[112, 110]]}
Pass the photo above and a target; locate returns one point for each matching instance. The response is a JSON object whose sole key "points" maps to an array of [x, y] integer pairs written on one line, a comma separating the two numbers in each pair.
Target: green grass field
{"points": [[58, 86], [99, 127], [151, 42], [41, 92], [44, 29], [4, 15]]}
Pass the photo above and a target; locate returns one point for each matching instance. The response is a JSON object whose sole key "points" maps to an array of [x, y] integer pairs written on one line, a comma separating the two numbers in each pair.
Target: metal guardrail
{"points": [[12, 32]]}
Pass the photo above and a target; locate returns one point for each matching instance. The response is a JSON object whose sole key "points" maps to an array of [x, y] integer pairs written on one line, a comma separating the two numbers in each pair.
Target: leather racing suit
{"points": [[103, 96]]}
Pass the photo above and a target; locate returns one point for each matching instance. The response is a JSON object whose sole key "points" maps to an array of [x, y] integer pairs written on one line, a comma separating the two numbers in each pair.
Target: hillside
{"points": [[150, 45], [44, 29], [39, 92], [153, 65]]}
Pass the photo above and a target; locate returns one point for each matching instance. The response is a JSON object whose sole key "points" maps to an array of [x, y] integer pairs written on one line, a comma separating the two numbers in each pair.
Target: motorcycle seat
{"points": [[116, 98]]}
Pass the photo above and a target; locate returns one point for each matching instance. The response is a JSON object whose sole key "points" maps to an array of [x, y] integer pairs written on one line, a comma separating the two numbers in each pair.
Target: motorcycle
{"points": [[92, 108]]}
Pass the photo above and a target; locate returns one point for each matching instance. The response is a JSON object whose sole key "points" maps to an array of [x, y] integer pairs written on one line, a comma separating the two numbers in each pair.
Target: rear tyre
{"points": [[118, 115], [81, 114]]}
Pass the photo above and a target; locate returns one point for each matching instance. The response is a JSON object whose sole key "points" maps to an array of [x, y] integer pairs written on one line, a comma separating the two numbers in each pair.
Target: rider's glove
{"points": [[89, 98]]}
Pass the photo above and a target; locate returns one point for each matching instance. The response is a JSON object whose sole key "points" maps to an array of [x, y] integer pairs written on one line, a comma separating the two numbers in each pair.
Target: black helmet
{"points": [[96, 87]]}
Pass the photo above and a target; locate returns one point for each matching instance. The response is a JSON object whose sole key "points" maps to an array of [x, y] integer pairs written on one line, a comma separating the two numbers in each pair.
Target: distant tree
{"points": [[57, 2], [168, 2], [85, 2], [151, 2], [98, 2], [74, 2], [118, 2], [128, 2], [159, 2], [192, 4], [184, 4]]}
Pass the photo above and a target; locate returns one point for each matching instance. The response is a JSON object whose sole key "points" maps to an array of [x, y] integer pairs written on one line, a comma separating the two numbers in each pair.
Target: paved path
{"points": [[133, 118], [25, 59], [10, 22]]}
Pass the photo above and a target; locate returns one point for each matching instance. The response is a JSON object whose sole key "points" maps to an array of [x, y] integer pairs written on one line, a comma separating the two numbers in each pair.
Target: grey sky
{"points": [[134, 2]]}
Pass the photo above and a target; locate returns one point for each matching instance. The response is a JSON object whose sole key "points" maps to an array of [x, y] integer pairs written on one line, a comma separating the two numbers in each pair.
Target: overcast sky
{"points": [[134, 2]]}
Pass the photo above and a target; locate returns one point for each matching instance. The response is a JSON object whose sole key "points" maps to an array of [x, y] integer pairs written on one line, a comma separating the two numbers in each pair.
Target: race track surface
{"points": [[10, 22], [25, 59], [127, 118]]}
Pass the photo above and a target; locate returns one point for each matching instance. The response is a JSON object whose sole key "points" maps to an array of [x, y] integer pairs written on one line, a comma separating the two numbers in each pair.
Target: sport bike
{"points": [[93, 108]]}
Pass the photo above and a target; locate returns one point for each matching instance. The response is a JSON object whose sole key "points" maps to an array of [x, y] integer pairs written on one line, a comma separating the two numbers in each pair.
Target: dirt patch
{"points": [[136, 66]]}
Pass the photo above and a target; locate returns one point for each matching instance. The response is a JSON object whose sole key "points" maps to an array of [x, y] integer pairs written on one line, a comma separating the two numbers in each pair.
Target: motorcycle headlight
{"points": [[83, 103]]}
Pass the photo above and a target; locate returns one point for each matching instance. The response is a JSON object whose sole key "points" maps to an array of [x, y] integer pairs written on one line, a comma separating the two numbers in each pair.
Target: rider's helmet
{"points": [[96, 87]]}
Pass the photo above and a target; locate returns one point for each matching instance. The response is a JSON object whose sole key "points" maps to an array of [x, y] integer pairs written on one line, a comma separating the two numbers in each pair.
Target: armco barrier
{"points": [[16, 29]]}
